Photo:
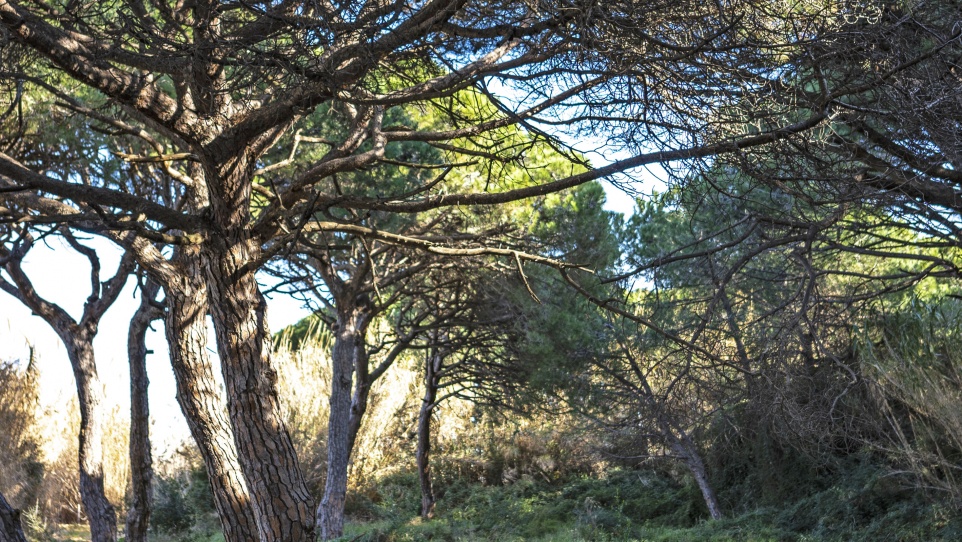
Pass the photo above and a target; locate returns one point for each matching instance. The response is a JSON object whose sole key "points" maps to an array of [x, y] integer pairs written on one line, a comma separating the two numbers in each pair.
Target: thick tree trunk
{"points": [[282, 503], [100, 513], [141, 472], [344, 419], [283, 507], [431, 368], [10, 528], [202, 400]]}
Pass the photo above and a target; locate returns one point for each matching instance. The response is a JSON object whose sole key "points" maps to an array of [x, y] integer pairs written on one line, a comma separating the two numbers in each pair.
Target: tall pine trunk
{"points": [[202, 399], [141, 471], [283, 507]]}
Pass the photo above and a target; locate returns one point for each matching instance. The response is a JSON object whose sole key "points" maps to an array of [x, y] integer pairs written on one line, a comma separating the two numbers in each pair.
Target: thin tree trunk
{"points": [[282, 503], [431, 369], [100, 513], [676, 438], [10, 528], [344, 420], [362, 391], [202, 400], [141, 472], [697, 468], [78, 340], [686, 450]]}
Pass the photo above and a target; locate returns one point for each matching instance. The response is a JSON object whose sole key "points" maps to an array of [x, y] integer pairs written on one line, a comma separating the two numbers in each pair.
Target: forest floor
{"points": [[628, 506], [69, 532]]}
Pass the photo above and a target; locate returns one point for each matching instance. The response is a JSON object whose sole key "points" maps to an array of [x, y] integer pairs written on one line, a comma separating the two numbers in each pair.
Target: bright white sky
{"points": [[61, 276]]}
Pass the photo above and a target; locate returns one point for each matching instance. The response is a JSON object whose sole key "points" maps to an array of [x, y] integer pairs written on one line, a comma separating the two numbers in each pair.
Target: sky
{"points": [[61, 276]]}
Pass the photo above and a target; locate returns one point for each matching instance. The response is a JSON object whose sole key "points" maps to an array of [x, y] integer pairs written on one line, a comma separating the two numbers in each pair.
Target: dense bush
{"points": [[183, 507], [863, 505]]}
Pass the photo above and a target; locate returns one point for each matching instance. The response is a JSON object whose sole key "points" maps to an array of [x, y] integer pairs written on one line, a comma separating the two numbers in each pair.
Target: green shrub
{"points": [[171, 513], [183, 506]]}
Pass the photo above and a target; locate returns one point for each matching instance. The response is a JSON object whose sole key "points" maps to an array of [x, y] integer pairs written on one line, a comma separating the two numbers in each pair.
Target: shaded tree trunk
{"points": [[282, 504], [100, 513], [346, 412], [141, 472], [685, 449], [202, 400], [10, 528], [432, 367]]}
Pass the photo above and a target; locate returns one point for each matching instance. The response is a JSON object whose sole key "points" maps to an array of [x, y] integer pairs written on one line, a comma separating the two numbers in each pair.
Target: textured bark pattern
{"points": [[100, 513], [432, 366], [202, 401], [10, 528], [282, 503], [346, 412], [141, 472]]}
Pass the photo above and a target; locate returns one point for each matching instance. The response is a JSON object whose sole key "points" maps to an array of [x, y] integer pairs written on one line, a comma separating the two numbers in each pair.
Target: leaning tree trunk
{"points": [[100, 513], [141, 473], [432, 367], [347, 355], [684, 447], [282, 504], [10, 528], [202, 399], [680, 443]]}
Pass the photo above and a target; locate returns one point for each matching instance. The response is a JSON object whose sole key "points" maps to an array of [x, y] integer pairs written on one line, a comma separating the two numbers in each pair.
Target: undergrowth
{"points": [[863, 505]]}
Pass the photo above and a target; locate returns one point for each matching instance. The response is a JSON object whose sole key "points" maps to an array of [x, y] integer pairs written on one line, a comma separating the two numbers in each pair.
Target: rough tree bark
{"points": [[201, 398], [141, 472], [282, 504], [10, 528], [348, 354], [432, 368]]}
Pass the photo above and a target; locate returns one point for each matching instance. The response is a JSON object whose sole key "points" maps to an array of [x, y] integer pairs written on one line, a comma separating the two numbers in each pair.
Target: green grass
{"points": [[629, 506], [646, 507], [70, 532]]}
